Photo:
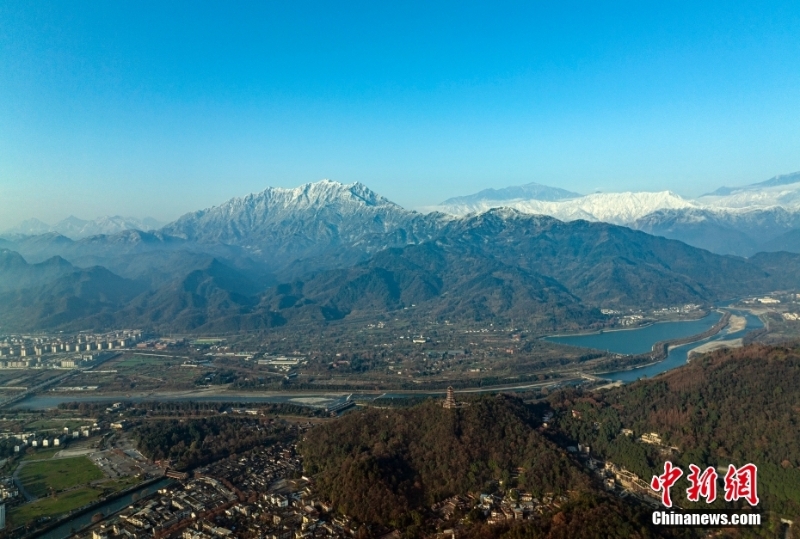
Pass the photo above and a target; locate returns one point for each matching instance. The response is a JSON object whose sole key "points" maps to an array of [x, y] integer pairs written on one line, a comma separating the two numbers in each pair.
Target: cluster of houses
{"points": [[498, 508], [25, 346], [260, 494], [515, 505], [63, 351], [617, 477], [167, 511], [23, 440]]}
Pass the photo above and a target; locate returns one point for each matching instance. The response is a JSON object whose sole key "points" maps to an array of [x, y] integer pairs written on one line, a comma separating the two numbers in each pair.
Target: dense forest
{"points": [[194, 442], [382, 465], [729, 407]]}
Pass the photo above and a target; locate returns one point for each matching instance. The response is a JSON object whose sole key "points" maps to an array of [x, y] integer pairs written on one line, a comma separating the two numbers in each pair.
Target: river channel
{"points": [[639, 341], [68, 528]]}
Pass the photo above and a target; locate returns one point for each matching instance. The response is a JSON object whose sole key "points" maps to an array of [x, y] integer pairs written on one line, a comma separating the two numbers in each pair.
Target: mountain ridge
{"points": [[738, 221], [496, 266], [533, 190], [77, 229]]}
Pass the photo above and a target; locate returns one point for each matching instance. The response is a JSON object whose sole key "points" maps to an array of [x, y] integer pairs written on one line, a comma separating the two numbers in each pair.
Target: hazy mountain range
{"points": [[75, 228], [763, 216], [326, 251]]}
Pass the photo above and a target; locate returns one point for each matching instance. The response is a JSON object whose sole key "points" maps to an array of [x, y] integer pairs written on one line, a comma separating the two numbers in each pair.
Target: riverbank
{"points": [[737, 323], [715, 345], [602, 331], [579, 333], [639, 340], [73, 522], [660, 350], [678, 356]]}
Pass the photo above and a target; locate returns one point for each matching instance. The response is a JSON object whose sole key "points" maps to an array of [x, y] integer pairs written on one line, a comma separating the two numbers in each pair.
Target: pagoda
{"points": [[450, 400]]}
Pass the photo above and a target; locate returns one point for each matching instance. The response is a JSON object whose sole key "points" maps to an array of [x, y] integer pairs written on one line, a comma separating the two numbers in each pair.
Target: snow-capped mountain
{"points": [[775, 181], [75, 228], [763, 216], [616, 208], [730, 220], [309, 221], [778, 192]]}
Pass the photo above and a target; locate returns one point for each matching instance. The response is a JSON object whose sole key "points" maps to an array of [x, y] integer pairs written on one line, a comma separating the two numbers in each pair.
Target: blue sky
{"points": [[158, 108]]}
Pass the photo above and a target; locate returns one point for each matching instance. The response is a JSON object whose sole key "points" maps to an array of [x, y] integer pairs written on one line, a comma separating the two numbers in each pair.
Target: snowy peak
{"points": [[780, 180], [321, 194], [291, 220], [778, 192], [781, 193], [617, 208]]}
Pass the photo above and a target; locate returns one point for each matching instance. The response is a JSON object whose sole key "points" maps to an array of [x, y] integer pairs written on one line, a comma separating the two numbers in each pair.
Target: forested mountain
{"points": [[84, 293], [607, 264], [498, 266], [389, 466], [379, 465], [742, 233], [441, 281], [326, 252], [16, 273], [729, 407]]}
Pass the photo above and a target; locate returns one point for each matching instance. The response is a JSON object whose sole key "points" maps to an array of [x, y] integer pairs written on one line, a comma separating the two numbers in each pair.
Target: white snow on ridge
{"points": [[784, 196], [627, 207], [617, 208]]}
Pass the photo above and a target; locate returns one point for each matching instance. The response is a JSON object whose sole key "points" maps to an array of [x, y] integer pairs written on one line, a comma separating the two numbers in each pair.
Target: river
{"points": [[638, 341], [68, 528]]}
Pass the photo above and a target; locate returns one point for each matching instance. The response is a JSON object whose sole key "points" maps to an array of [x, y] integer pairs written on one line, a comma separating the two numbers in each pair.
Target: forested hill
{"points": [[387, 467], [380, 465], [729, 407]]}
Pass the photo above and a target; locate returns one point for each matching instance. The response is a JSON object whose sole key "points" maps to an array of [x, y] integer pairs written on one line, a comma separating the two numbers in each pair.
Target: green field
{"points": [[121, 484], [42, 454], [53, 506], [140, 361], [50, 424], [43, 476]]}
